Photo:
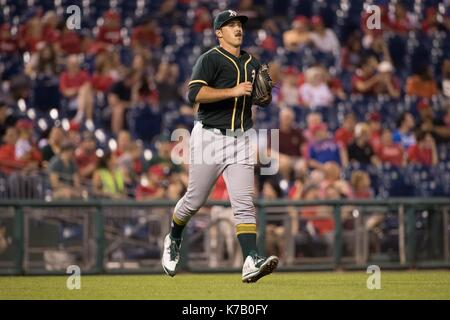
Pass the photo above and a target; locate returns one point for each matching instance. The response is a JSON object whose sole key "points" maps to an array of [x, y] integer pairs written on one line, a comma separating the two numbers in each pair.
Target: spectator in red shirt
{"points": [[269, 42], [73, 132], [387, 83], [424, 150], [8, 161], [374, 122], [297, 37], [401, 22], [332, 178], [31, 33], [319, 223], [151, 186], [202, 20], [310, 192], [373, 78], [124, 144], [109, 32], [75, 85], [69, 41], [85, 156], [291, 145], [430, 23], [365, 78], [390, 152], [298, 185], [345, 134], [360, 182], [361, 185], [7, 43], [51, 33], [146, 36], [26, 149], [105, 73], [221, 222]]}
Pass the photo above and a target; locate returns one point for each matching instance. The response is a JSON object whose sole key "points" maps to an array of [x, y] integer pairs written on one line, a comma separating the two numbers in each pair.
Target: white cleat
{"points": [[171, 256], [256, 267]]}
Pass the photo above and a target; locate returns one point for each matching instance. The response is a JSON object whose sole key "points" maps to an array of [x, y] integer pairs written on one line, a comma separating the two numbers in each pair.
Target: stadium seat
{"points": [[145, 122]]}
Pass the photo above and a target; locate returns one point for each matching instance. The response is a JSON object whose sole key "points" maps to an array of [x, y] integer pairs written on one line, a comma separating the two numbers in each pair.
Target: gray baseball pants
{"points": [[213, 154]]}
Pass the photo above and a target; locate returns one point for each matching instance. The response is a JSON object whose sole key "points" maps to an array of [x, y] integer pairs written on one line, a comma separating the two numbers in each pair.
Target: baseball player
{"points": [[221, 87]]}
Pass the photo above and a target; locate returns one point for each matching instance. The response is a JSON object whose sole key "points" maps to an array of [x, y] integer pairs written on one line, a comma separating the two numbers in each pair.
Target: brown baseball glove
{"points": [[262, 87]]}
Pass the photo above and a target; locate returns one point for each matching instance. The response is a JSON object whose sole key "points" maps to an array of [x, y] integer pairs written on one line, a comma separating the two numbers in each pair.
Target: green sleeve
{"points": [[202, 75]]}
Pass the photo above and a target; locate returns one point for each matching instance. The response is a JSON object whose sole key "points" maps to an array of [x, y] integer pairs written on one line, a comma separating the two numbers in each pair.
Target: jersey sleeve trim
{"points": [[198, 81]]}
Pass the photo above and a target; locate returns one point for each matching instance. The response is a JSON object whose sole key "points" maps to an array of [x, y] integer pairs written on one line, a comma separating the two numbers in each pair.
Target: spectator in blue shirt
{"points": [[404, 134], [325, 148]]}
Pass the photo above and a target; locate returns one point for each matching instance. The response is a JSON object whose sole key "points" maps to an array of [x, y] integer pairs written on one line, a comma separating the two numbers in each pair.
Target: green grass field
{"points": [[326, 285]]}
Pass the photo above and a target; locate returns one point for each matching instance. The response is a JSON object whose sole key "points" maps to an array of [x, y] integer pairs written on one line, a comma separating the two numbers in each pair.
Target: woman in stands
{"points": [[108, 181]]}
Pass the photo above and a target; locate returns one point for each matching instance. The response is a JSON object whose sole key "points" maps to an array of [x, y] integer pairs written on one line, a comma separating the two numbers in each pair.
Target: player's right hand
{"points": [[242, 89]]}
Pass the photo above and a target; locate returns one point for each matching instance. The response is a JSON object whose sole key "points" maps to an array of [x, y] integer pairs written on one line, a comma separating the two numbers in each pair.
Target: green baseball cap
{"points": [[223, 17]]}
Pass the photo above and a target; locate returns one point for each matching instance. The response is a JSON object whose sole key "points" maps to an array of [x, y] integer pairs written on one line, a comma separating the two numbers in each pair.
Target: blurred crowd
{"points": [[89, 112]]}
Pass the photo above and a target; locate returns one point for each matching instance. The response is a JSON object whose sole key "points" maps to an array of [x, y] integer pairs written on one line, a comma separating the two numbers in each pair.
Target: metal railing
{"points": [[126, 236]]}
